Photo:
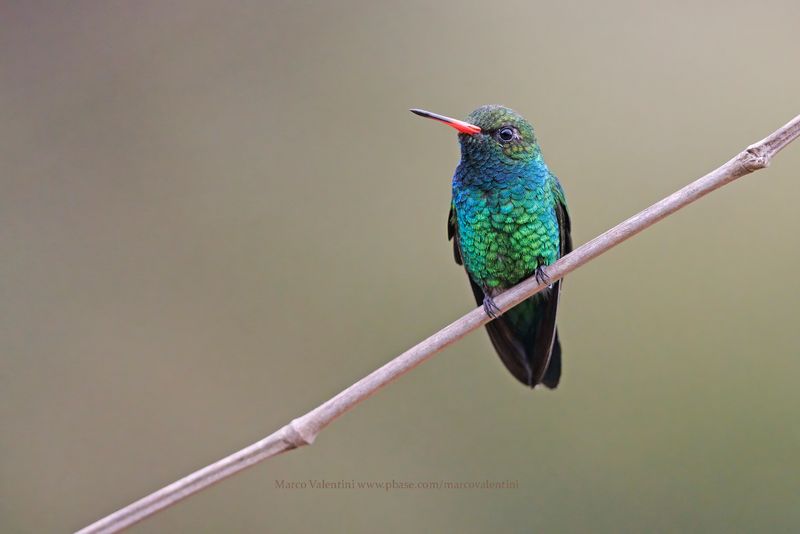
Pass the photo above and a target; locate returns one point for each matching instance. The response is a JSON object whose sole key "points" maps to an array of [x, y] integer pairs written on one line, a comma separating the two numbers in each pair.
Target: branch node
{"points": [[756, 158], [297, 434]]}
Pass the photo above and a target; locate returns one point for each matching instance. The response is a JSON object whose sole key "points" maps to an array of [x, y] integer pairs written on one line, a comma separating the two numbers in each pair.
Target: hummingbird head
{"points": [[492, 134]]}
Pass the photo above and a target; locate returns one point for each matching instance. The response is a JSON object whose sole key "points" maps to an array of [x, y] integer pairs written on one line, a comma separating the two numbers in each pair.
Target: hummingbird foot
{"points": [[490, 307], [541, 276]]}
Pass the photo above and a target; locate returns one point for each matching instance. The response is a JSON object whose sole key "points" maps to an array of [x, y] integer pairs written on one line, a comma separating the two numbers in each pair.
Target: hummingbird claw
{"points": [[490, 307], [541, 276]]}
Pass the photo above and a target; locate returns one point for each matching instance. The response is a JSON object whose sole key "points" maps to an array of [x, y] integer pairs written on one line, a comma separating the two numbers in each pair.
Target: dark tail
{"points": [[526, 338]]}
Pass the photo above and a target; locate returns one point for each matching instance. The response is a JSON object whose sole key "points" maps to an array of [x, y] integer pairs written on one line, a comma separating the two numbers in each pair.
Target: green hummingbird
{"points": [[508, 219]]}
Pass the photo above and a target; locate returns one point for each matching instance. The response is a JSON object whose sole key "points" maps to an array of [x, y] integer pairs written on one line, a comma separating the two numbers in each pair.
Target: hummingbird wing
{"points": [[562, 215], [525, 337], [546, 345], [452, 235], [552, 374]]}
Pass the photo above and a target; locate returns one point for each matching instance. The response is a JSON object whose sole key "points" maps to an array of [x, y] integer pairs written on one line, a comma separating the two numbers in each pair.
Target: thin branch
{"points": [[303, 430]]}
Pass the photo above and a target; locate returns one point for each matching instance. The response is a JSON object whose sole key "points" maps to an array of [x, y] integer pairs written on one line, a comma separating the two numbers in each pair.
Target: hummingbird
{"points": [[508, 219]]}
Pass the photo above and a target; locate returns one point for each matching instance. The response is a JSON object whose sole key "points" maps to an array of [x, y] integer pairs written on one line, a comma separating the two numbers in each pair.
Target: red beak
{"points": [[461, 126]]}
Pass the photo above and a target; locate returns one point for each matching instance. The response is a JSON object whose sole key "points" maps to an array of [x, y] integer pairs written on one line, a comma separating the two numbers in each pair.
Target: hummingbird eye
{"points": [[505, 134]]}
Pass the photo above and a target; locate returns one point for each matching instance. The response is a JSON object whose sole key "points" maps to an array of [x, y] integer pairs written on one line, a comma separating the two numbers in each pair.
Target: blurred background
{"points": [[214, 216]]}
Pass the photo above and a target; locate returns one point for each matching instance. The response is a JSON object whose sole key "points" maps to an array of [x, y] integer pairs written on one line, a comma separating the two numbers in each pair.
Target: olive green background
{"points": [[214, 216]]}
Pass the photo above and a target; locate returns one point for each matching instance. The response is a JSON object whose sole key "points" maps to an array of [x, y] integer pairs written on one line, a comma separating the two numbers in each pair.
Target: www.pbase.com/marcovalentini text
{"points": [[395, 484]]}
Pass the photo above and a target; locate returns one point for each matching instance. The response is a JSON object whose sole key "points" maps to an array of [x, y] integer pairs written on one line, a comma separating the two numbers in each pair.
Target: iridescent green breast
{"points": [[508, 230]]}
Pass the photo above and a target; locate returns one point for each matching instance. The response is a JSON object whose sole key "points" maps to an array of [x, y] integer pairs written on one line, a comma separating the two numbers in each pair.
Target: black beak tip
{"points": [[420, 112]]}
